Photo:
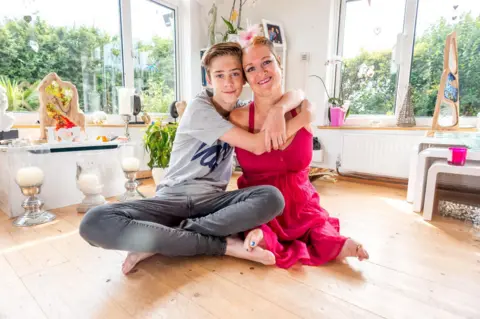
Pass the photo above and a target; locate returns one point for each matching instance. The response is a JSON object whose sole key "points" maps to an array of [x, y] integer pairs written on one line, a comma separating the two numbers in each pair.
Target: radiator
{"points": [[377, 154]]}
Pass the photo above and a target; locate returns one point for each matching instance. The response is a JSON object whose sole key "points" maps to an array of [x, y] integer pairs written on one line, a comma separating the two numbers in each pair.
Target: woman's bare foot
{"points": [[353, 249], [235, 248], [253, 239], [132, 260]]}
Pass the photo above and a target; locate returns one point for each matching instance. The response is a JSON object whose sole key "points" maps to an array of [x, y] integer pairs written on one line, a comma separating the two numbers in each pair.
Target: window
{"points": [[369, 74], [392, 44], [434, 22], [81, 45], [154, 54], [92, 48]]}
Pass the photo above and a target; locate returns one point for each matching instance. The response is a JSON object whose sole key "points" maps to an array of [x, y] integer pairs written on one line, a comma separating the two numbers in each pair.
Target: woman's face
{"points": [[262, 70]]}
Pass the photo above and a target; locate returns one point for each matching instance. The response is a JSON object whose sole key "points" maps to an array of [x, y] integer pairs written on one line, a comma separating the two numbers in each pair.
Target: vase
{"points": [[233, 38], [337, 116], [90, 184], [157, 174]]}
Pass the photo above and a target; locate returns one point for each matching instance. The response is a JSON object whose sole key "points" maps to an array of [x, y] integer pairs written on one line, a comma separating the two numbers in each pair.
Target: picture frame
{"points": [[275, 32], [204, 72]]}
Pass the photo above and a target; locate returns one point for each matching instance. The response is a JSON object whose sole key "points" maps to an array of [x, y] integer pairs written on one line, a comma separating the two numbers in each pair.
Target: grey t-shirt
{"points": [[199, 162]]}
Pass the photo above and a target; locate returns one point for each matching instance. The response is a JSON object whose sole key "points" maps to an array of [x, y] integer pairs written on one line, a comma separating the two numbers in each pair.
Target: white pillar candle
{"points": [[125, 97], [30, 176], [131, 164], [88, 183]]}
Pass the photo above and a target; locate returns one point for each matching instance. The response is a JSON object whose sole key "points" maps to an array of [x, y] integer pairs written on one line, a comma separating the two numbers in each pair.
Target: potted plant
{"points": [[339, 108], [158, 140]]}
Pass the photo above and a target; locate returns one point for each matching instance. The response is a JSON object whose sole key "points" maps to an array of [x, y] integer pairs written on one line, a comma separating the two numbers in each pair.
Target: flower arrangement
{"points": [[335, 101], [62, 97], [338, 101], [235, 18]]}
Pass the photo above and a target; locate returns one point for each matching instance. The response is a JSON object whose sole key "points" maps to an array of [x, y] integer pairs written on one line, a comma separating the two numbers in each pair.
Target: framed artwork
{"points": [[204, 72], [446, 116], [274, 32]]}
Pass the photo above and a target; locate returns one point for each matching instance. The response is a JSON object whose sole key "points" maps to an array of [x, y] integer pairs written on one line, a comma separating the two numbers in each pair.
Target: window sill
{"points": [[390, 128], [23, 126], [30, 119]]}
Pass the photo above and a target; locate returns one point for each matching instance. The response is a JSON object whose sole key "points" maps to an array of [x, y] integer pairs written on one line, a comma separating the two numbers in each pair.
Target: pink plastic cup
{"points": [[337, 116], [458, 156]]}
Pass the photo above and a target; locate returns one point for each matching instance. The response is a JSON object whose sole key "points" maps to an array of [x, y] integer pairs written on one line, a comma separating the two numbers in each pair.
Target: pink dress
{"points": [[305, 232]]}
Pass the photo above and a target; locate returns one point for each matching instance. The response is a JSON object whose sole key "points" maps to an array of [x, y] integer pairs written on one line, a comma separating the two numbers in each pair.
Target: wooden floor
{"points": [[416, 270]]}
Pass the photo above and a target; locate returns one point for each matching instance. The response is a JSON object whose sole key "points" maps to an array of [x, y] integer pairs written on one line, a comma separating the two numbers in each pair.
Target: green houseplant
{"points": [[158, 140]]}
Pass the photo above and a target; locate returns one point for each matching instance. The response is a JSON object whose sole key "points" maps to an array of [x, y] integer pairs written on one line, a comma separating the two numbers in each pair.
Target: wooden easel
{"points": [[70, 110], [448, 92]]}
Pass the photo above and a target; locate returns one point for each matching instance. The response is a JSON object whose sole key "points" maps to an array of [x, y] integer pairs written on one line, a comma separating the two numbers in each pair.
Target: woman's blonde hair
{"points": [[261, 40]]}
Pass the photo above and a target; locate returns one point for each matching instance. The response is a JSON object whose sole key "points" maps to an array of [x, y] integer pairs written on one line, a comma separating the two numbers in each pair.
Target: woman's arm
{"points": [[255, 142]]}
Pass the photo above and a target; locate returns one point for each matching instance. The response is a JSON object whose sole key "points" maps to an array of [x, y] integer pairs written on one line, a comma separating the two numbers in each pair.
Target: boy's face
{"points": [[226, 78]]}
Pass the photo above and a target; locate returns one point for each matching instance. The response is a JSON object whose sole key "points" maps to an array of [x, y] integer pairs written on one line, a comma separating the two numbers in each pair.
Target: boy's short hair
{"points": [[221, 49]]}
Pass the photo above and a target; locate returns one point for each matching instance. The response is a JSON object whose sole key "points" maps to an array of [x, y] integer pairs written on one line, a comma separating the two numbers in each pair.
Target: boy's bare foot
{"points": [[132, 260], [353, 249], [236, 249], [253, 239]]}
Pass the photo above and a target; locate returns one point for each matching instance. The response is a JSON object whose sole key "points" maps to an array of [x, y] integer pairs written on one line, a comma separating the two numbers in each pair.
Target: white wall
{"points": [[306, 25]]}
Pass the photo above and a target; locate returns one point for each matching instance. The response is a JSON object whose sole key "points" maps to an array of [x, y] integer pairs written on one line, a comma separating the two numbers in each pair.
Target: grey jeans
{"points": [[181, 225]]}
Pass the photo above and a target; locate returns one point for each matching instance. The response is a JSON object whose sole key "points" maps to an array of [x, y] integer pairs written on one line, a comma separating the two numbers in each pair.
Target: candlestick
{"points": [[130, 166], [126, 120], [29, 176], [125, 96], [30, 180]]}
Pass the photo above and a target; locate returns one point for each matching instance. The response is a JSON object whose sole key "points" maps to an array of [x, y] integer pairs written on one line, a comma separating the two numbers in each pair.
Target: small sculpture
{"points": [[99, 117], [146, 118], [181, 106], [447, 108], [406, 116], [6, 120], [58, 105]]}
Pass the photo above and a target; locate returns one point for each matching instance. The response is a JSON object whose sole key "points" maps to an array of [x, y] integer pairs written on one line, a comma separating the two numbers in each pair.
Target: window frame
{"points": [[127, 52], [405, 54], [127, 37]]}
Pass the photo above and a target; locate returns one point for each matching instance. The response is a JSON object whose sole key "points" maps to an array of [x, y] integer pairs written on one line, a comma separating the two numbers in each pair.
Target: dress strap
{"points": [[251, 118]]}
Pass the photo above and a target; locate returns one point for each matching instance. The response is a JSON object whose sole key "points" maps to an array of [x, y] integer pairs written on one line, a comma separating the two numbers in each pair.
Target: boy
{"points": [[192, 214]]}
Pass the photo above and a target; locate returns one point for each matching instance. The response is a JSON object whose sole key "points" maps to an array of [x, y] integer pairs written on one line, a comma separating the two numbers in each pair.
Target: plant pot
{"points": [[157, 174], [337, 116]]}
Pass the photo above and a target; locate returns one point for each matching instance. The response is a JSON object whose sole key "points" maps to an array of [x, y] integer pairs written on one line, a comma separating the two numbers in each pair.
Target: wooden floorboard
{"points": [[417, 269]]}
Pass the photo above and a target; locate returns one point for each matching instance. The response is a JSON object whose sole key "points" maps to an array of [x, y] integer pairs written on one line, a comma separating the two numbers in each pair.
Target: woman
{"points": [[305, 232]]}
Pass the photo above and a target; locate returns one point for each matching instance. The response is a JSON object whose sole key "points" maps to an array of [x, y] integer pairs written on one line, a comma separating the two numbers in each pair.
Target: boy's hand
{"points": [[275, 129], [275, 125]]}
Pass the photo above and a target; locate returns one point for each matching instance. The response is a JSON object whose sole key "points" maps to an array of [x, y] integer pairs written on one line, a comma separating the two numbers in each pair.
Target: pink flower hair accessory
{"points": [[246, 37]]}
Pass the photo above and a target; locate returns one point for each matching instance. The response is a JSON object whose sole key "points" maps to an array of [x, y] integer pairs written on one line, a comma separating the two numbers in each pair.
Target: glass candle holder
{"points": [[89, 183]]}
